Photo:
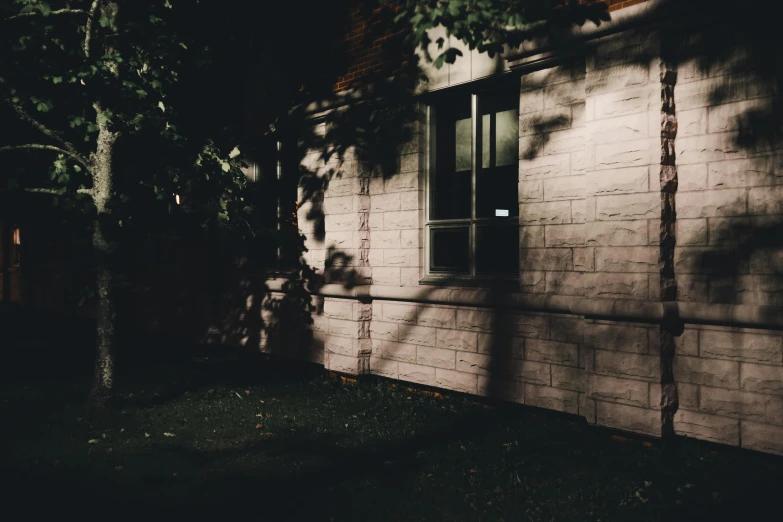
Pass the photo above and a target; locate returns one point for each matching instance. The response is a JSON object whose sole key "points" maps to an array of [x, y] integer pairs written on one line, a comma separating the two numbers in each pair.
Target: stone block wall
{"points": [[633, 184]]}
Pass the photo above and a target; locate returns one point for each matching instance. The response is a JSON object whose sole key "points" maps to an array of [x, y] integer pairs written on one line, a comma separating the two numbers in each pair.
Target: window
{"points": [[472, 227], [274, 176]]}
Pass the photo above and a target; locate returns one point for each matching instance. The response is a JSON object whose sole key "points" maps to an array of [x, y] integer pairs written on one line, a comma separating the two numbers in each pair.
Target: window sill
{"points": [[506, 282]]}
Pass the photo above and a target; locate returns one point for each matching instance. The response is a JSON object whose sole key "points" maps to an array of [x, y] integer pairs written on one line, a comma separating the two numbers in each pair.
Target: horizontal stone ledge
{"points": [[751, 316], [627, 18]]}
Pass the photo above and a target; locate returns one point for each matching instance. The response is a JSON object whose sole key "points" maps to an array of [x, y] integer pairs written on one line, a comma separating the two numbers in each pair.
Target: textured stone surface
{"points": [[616, 337], [630, 194], [623, 391], [628, 418], [744, 405], [707, 427], [742, 346], [552, 398], [626, 365], [762, 437]]}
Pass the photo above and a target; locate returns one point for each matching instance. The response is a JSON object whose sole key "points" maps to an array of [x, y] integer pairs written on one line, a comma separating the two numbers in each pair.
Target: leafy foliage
{"points": [[58, 64], [490, 25]]}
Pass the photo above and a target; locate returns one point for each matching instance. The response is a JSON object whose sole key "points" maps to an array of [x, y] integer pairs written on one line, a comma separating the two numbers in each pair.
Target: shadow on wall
{"points": [[730, 245], [729, 70]]}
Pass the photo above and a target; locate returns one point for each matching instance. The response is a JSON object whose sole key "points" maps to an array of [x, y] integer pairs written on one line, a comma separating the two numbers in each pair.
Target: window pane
{"points": [[450, 158], [449, 248], [497, 249], [486, 127], [497, 180], [463, 145], [507, 138]]}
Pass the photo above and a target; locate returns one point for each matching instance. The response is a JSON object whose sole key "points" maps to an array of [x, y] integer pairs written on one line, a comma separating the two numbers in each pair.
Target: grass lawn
{"points": [[229, 435]]}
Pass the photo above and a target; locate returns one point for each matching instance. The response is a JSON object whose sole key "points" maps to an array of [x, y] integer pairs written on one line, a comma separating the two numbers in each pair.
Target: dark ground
{"points": [[206, 433]]}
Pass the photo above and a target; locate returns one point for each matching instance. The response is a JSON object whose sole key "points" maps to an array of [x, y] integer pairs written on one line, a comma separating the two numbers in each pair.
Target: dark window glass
{"points": [[274, 178], [451, 163], [450, 249], [496, 179], [474, 165], [497, 249]]}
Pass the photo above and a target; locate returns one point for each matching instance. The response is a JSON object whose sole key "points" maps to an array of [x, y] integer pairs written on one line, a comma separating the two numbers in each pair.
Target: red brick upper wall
{"points": [[372, 47], [614, 5]]}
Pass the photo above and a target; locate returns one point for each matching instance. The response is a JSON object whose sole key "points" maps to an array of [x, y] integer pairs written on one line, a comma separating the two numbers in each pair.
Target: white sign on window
{"points": [[502, 212]]}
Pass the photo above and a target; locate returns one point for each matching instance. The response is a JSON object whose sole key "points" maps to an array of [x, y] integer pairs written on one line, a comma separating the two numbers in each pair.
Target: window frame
{"points": [[471, 278], [283, 146]]}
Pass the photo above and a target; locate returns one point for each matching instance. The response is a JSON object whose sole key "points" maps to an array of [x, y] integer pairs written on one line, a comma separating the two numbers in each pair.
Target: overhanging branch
{"points": [[49, 133], [39, 146], [55, 192], [88, 27], [57, 12]]}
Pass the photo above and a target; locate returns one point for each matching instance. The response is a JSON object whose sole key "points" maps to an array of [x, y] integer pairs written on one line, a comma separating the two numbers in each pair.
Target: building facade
{"points": [[584, 227]]}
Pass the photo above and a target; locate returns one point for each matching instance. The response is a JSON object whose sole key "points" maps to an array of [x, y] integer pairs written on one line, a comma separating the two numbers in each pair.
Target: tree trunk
{"points": [[102, 194], [103, 182], [103, 378]]}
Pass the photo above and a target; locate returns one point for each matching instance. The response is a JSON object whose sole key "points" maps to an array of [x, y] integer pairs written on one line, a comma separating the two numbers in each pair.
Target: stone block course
{"points": [[709, 372], [743, 405], [692, 177], [396, 351], [417, 373], [627, 365], [423, 335], [765, 200], [547, 259], [628, 418], [436, 357], [628, 207], [627, 101], [436, 317], [458, 381], [547, 213], [495, 344], [554, 352], [711, 203], [742, 346], [617, 233], [564, 235], [626, 259], [568, 283], [618, 181], [724, 430], [542, 167], [456, 340], [623, 154], [557, 189], [569, 378], [620, 286], [384, 367], [617, 390], [762, 437], [616, 337], [762, 379], [552, 398]]}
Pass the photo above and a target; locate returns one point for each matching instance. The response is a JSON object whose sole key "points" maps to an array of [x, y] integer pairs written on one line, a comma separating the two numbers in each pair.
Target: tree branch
{"points": [[55, 192], [38, 146], [46, 130], [57, 12], [88, 27]]}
